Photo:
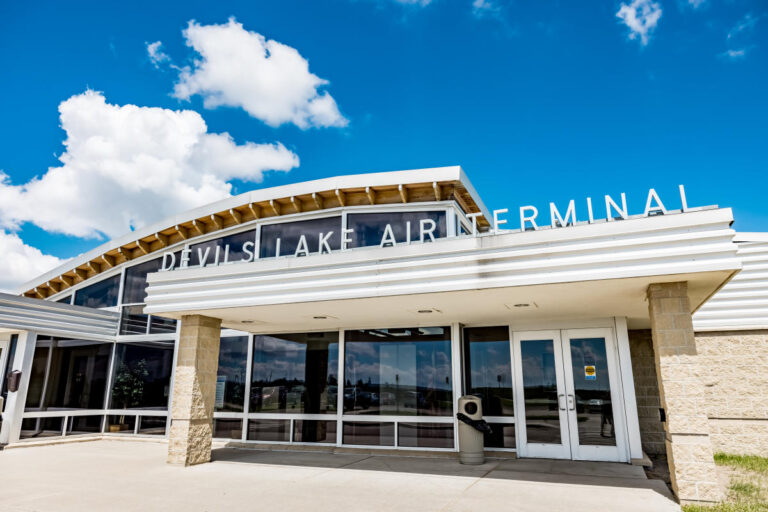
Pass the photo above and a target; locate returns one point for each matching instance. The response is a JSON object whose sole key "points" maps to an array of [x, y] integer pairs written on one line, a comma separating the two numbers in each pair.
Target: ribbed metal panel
{"points": [[670, 245], [56, 319], [743, 302]]}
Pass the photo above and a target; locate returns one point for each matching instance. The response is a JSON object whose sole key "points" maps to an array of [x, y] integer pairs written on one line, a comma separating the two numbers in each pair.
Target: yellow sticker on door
{"points": [[590, 373]]}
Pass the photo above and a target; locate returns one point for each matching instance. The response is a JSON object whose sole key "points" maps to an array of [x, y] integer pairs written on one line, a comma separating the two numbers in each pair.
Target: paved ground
{"points": [[122, 475]]}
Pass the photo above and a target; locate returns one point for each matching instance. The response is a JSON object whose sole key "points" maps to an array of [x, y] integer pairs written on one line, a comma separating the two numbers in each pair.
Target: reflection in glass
{"points": [[99, 295], [74, 378], [123, 424], [269, 430], [216, 250], [290, 234], [160, 325], [133, 320], [227, 428], [84, 425], [593, 392], [368, 433], [41, 427], [230, 378], [142, 375], [502, 436], [398, 372], [312, 431], [134, 288], [542, 417], [425, 435], [5, 372], [295, 373], [368, 228], [488, 368]]}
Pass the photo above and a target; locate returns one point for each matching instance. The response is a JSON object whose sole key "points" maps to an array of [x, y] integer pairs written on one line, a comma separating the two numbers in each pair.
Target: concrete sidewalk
{"points": [[132, 475]]}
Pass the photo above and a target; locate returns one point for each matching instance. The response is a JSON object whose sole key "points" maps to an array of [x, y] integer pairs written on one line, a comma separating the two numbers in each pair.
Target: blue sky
{"points": [[537, 101]]}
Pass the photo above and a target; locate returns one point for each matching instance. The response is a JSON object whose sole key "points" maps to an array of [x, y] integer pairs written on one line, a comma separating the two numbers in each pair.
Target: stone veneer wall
{"points": [[647, 392], [733, 367], [734, 371]]}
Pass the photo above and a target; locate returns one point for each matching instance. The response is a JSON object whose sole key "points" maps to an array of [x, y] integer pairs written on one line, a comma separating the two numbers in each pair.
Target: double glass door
{"points": [[568, 395]]}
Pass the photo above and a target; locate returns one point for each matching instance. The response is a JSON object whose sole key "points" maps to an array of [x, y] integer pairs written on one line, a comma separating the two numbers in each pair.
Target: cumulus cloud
{"points": [[745, 26], [269, 80], [21, 262], [127, 166], [696, 3], [734, 54], [641, 17], [156, 55], [483, 8]]}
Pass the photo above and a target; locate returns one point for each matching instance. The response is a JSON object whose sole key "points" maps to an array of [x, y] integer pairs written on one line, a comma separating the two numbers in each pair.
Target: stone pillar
{"points": [[194, 391], [689, 451]]}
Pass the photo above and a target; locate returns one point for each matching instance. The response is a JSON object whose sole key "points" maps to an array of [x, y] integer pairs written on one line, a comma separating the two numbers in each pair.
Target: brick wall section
{"points": [[689, 450], [647, 392], [734, 370], [194, 391]]}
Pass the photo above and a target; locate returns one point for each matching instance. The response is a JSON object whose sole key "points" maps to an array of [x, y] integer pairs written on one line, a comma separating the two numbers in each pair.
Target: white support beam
{"points": [[14, 407]]}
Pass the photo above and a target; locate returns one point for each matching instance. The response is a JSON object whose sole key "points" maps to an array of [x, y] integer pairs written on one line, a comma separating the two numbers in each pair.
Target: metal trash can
{"points": [[472, 427]]}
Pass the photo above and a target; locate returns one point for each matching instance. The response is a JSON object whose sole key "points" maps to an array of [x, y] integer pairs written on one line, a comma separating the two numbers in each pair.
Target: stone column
{"points": [[194, 391], [689, 451]]}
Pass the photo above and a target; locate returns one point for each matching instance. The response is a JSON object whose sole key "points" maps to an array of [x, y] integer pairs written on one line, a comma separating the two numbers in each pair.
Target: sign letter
{"points": [[322, 242], [570, 213], [649, 207], [430, 231], [388, 237], [301, 247], [168, 265], [528, 218], [610, 203]]}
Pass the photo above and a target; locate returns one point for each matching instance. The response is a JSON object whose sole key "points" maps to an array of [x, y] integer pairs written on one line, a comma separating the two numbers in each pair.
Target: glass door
{"points": [[543, 417], [567, 385]]}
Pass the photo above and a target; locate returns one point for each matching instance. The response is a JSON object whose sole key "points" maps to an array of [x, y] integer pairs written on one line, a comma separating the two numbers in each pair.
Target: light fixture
{"points": [[246, 321], [522, 305], [320, 317], [425, 311]]}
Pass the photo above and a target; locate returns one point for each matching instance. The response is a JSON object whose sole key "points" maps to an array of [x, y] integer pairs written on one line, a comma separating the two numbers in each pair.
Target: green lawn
{"points": [[748, 490]]}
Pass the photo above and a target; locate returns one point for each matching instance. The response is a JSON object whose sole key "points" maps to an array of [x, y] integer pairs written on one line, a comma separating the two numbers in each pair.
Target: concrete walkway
{"points": [[132, 475]]}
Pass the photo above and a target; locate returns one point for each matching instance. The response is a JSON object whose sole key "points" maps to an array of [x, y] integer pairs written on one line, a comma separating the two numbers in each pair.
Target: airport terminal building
{"points": [[352, 312]]}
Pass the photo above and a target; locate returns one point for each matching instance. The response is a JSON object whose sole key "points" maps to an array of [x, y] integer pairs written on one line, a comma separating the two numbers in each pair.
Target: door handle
{"points": [[571, 402], [560, 402]]}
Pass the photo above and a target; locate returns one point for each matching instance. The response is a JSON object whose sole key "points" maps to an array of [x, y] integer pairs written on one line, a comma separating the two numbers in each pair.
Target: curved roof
{"points": [[421, 185]]}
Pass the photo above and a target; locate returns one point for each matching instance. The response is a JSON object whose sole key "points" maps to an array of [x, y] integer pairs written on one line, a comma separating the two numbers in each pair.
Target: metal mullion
{"points": [[47, 373], [392, 419], [248, 380], [458, 385], [173, 378], [340, 390]]}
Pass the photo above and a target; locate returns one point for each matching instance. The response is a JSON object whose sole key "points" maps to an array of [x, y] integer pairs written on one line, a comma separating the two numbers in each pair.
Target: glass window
{"points": [[207, 251], [425, 435], [84, 425], [152, 425], [230, 379], [227, 428], [488, 368], [542, 418], [289, 234], [41, 427], [142, 375], [134, 288], [269, 430], [65, 300], [592, 386], [133, 320], [312, 431], [368, 228], [122, 424], [398, 372], [160, 325], [502, 436], [369, 433], [295, 373], [74, 378], [99, 295]]}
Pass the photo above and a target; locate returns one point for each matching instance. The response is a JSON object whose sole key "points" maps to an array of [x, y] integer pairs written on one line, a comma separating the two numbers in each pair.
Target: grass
{"points": [[748, 490]]}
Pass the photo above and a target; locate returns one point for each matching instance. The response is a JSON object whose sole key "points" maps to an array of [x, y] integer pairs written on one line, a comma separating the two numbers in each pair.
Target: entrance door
{"points": [[567, 394]]}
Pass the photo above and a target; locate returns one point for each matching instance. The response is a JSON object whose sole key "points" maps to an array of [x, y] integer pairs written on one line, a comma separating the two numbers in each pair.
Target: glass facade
{"points": [[215, 251], [295, 373], [488, 368], [134, 288], [289, 234], [142, 375], [99, 295], [230, 378], [401, 372], [369, 228]]}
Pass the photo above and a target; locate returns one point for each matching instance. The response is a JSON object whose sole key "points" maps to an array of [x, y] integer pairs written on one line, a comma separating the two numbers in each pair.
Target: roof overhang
{"points": [[584, 271], [421, 185], [54, 319]]}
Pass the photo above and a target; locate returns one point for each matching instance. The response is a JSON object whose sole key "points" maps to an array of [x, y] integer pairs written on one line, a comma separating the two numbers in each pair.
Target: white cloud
{"points": [[743, 27], [737, 54], [127, 166], [269, 80], [696, 3], [641, 17], [483, 8], [21, 262], [156, 55]]}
